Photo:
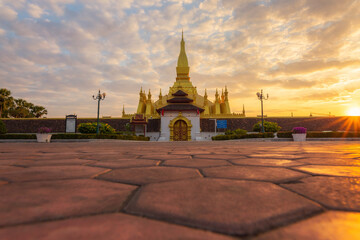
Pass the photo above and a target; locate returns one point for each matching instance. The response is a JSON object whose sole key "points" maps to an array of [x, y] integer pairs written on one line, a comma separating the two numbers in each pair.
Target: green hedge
{"points": [[252, 135], [17, 136], [102, 136], [76, 136], [284, 134], [268, 127], [236, 132], [3, 129], [332, 134], [90, 127], [322, 134]]}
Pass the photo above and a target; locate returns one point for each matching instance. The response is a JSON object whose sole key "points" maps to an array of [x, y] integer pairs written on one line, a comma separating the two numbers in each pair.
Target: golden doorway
{"points": [[180, 131]]}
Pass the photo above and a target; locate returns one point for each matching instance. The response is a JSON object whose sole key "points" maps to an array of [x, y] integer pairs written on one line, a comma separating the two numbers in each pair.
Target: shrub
{"points": [[259, 135], [125, 133], [3, 129], [240, 132], [268, 127], [299, 130], [286, 134], [221, 137], [104, 128], [102, 136], [18, 136], [333, 134], [236, 132], [76, 136], [44, 130], [252, 135]]}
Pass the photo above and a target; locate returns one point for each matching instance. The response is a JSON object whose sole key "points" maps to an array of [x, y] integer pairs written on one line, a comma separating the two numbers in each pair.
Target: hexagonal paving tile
{"points": [[15, 162], [144, 175], [107, 226], [105, 157], [7, 169], [327, 154], [331, 161], [38, 201], [125, 163], [56, 162], [267, 162], [218, 156], [50, 173], [333, 192], [271, 174], [329, 225], [49, 157], [228, 206], [166, 157], [345, 171], [196, 163], [275, 156]]}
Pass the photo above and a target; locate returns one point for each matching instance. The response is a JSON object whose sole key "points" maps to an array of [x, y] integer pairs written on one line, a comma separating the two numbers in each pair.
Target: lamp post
{"points": [[99, 97], [261, 97]]}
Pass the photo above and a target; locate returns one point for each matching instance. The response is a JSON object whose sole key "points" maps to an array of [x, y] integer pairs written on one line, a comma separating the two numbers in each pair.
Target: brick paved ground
{"points": [[189, 190]]}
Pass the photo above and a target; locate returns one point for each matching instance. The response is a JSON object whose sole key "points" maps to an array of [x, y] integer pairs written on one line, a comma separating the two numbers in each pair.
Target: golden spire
{"points": [[182, 68], [222, 95], [141, 94], [160, 95], [244, 110], [149, 95], [226, 94], [216, 96], [182, 60], [123, 111]]}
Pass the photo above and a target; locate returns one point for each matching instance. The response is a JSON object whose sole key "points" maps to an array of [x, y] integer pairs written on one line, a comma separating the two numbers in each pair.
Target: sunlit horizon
{"points": [[354, 111]]}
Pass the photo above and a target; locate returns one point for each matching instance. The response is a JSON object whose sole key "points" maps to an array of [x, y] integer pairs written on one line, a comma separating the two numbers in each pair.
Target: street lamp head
{"points": [[258, 94], [267, 95], [104, 95]]}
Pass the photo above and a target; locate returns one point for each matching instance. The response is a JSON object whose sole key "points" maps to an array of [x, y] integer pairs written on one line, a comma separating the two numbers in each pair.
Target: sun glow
{"points": [[355, 111]]}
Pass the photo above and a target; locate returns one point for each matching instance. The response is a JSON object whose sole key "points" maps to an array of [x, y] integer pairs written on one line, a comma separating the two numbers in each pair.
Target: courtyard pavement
{"points": [[180, 190]]}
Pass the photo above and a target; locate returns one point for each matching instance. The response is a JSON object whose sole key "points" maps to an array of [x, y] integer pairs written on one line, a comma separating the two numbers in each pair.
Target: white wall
{"points": [[168, 116], [154, 136], [206, 136]]}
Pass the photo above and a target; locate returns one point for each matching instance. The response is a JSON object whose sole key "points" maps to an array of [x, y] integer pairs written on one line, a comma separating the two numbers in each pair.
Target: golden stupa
{"points": [[220, 108]]}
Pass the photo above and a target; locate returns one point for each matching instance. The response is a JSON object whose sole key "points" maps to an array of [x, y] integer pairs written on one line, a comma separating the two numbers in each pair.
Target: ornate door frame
{"points": [[173, 121]]}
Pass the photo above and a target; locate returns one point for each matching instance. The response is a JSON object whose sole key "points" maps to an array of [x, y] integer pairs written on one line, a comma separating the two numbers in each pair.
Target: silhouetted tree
{"points": [[6, 102], [18, 108], [38, 111]]}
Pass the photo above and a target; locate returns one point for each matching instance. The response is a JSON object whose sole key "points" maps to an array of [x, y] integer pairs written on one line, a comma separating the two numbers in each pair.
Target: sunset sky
{"points": [[304, 53]]}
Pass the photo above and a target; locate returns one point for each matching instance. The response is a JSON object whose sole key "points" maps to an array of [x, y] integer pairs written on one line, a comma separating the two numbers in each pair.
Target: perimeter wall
{"points": [[206, 125]]}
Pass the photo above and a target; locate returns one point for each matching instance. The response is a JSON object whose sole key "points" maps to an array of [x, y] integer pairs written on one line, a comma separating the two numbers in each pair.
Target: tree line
{"points": [[18, 108]]}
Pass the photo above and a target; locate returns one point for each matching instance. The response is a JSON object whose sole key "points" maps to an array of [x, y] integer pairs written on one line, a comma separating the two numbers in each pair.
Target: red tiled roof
{"points": [[180, 107], [180, 100], [180, 93]]}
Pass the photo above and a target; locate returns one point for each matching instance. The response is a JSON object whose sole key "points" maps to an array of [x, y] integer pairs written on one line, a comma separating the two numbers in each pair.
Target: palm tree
{"points": [[18, 108], [38, 111], [21, 109], [6, 102]]}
